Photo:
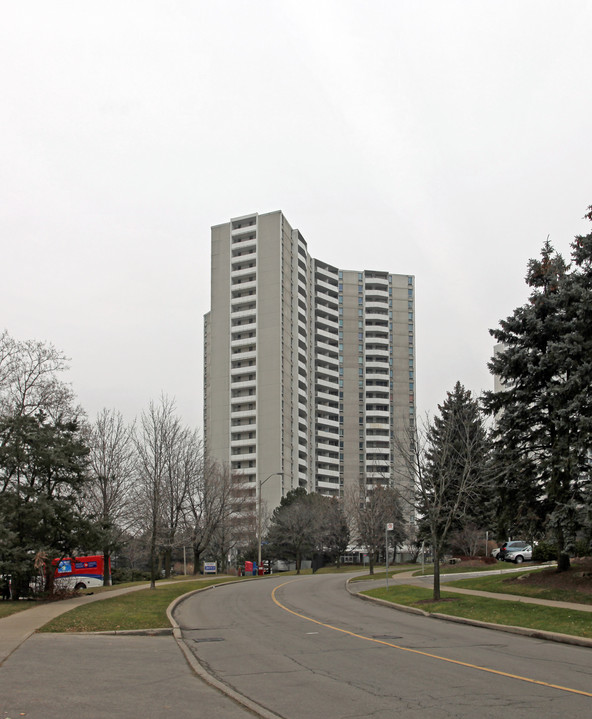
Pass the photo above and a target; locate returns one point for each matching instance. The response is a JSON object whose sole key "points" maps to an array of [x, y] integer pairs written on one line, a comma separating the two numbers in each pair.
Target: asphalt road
{"points": [[304, 648]]}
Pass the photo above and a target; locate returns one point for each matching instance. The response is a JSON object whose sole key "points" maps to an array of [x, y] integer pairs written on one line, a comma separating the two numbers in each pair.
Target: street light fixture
{"points": [[261, 483]]}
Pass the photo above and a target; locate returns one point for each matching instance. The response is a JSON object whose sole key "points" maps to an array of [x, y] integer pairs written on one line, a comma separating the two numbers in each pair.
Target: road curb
{"points": [[198, 668], [161, 631], [524, 631]]}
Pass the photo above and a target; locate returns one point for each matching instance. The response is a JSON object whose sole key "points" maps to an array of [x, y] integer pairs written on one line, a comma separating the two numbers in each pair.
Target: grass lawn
{"points": [[142, 609], [496, 611], [514, 585], [8, 608]]}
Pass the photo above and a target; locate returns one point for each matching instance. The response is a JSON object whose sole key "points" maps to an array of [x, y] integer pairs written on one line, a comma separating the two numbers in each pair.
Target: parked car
{"points": [[495, 552], [511, 547], [519, 555]]}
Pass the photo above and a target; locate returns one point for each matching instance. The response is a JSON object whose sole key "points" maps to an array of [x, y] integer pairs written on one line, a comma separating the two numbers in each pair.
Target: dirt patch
{"points": [[437, 601], [577, 579]]}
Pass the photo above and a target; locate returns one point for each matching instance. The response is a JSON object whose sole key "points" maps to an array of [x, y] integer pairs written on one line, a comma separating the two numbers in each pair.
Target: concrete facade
{"points": [[309, 370]]}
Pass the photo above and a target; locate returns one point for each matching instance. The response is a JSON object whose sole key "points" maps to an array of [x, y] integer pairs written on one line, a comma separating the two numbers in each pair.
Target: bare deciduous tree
{"points": [[380, 506], [152, 445], [29, 380], [182, 464], [112, 465], [215, 505]]}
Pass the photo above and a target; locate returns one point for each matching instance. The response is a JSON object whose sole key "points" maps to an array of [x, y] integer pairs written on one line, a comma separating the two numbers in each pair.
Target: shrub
{"points": [[582, 548], [121, 575], [544, 552]]}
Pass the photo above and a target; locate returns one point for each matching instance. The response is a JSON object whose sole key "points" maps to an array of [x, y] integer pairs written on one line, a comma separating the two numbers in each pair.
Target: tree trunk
{"points": [[106, 573], [153, 560], [196, 557], [436, 595], [167, 562], [49, 572], [563, 562]]}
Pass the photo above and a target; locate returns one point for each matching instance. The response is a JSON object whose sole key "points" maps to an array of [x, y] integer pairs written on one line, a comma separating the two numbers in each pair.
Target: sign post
{"points": [[389, 528]]}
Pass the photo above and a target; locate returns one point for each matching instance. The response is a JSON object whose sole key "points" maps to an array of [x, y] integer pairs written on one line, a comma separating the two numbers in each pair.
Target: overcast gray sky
{"points": [[440, 139]]}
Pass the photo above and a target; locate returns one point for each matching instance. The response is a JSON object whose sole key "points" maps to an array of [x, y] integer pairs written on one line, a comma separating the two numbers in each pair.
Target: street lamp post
{"points": [[259, 507]]}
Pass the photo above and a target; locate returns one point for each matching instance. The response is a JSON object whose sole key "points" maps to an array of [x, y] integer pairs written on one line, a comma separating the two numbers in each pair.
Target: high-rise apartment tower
{"points": [[309, 370]]}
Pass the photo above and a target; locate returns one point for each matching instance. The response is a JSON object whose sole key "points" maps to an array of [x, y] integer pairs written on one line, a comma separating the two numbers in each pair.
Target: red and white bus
{"points": [[80, 572]]}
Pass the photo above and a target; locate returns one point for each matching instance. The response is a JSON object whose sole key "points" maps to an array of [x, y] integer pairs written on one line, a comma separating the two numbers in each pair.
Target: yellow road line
{"points": [[423, 654]]}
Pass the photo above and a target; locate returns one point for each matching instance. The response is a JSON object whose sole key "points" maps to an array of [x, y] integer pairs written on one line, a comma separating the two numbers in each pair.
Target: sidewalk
{"points": [[18, 627], [134, 674]]}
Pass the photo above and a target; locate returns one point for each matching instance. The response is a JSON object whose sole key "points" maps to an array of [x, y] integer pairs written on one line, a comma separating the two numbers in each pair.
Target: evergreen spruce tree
{"points": [[544, 411], [453, 479]]}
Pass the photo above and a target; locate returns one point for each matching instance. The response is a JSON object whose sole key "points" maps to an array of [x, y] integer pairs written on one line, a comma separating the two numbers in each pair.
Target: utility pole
{"points": [[259, 509]]}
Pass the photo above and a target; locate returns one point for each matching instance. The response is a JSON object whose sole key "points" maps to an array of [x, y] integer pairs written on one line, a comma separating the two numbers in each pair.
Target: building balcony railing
{"points": [[242, 314], [243, 342], [242, 457], [245, 285], [242, 442], [247, 384], [251, 354], [244, 229], [240, 414]]}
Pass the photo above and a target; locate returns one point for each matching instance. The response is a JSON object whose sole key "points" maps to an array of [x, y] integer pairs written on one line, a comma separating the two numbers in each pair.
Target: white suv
{"points": [[519, 555]]}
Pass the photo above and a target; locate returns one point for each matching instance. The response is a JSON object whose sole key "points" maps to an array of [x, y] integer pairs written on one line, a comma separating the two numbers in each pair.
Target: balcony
{"points": [[243, 342]]}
